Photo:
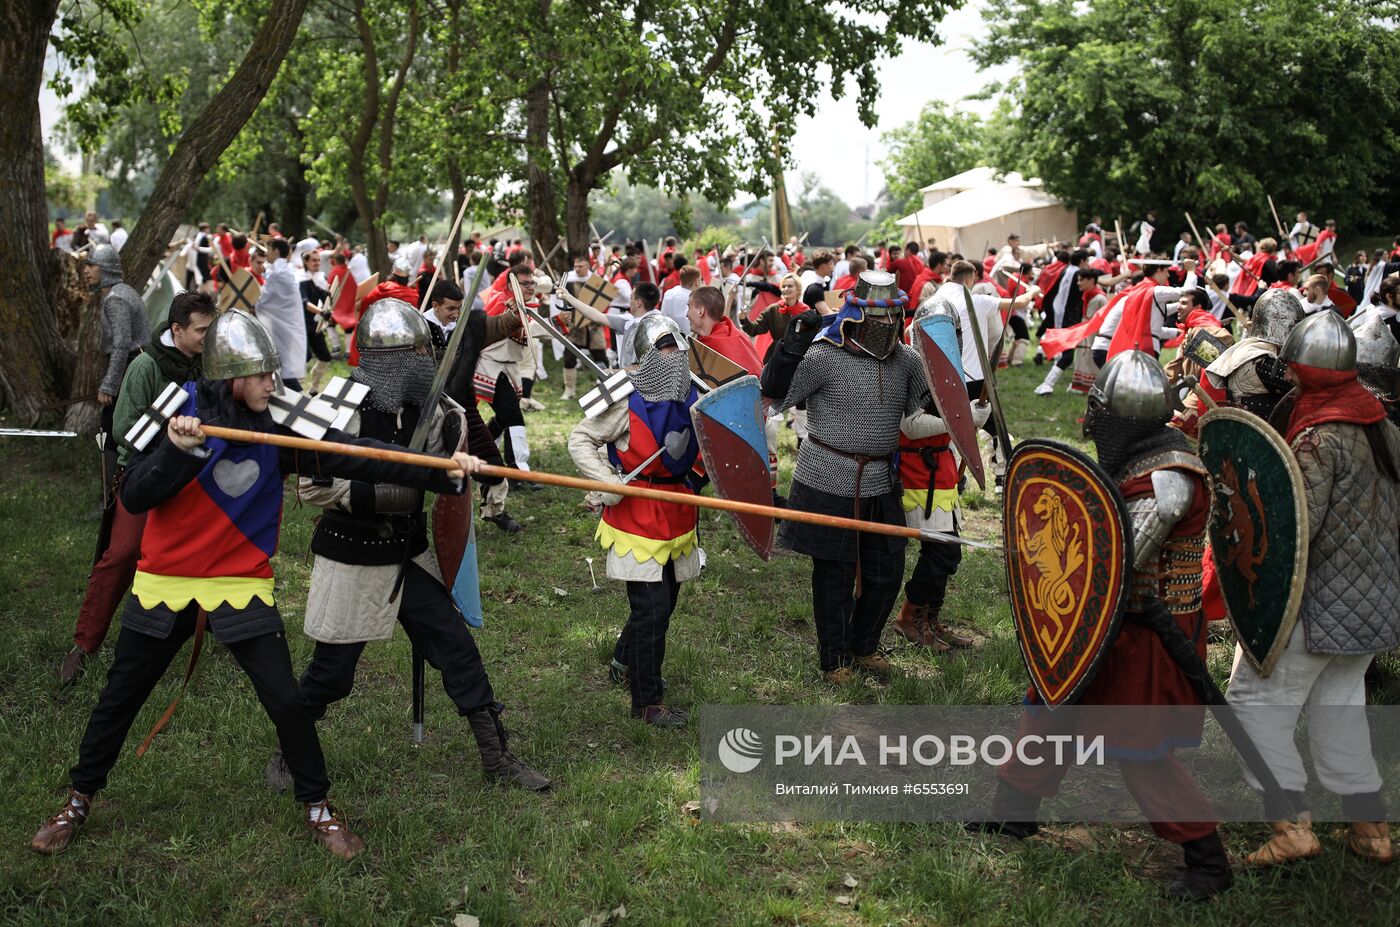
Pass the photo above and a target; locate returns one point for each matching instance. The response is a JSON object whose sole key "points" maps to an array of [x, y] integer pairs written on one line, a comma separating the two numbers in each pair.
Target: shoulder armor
{"points": [[1153, 519], [1164, 460]]}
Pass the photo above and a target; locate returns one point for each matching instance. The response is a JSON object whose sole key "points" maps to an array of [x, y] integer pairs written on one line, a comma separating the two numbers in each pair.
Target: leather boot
{"points": [[1292, 839], [330, 831], [839, 676], [1019, 348], [946, 635], [1207, 871], [1012, 814], [570, 383], [1371, 839], [912, 625], [60, 830], [72, 667], [497, 762], [874, 663], [663, 716]]}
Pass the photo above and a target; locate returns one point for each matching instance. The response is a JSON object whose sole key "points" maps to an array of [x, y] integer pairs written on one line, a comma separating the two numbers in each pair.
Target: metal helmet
{"points": [[876, 284], [543, 286], [1375, 345], [652, 328], [106, 259], [392, 324], [1275, 313], [1322, 340], [237, 345], [402, 267], [1132, 385]]}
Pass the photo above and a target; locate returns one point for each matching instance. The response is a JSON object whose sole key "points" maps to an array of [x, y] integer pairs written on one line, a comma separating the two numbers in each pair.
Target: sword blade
{"points": [[425, 418], [988, 374], [575, 350], [35, 433]]}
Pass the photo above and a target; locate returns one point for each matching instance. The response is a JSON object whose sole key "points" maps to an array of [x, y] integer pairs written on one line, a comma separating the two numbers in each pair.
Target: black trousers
{"points": [[641, 646], [928, 584], [138, 665], [437, 631], [506, 408], [1100, 356], [849, 626], [1020, 331]]}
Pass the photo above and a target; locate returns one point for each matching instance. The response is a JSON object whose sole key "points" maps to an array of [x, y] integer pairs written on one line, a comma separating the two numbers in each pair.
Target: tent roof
{"points": [[980, 177], [980, 205]]}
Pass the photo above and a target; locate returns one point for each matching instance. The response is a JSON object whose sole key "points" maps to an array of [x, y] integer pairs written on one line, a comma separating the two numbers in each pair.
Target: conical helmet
{"points": [[1322, 340], [237, 345], [652, 328], [1132, 385], [1275, 313], [392, 324]]}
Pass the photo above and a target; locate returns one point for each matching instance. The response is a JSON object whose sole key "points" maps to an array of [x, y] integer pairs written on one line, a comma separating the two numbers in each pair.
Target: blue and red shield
{"points": [[729, 427]]}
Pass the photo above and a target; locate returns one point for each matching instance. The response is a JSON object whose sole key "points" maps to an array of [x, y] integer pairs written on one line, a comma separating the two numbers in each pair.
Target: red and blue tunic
{"points": [[650, 529]]}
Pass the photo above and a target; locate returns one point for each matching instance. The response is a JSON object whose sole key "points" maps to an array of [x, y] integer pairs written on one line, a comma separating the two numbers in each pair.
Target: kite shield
{"points": [[454, 543], [1068, 550], [729, 425], [240, 290], [936, 339], [711, 367], [1258, 530]]}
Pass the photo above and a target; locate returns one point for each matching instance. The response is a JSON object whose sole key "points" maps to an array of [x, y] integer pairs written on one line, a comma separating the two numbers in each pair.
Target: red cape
{"points": [[733, 344], [1251, 275]]}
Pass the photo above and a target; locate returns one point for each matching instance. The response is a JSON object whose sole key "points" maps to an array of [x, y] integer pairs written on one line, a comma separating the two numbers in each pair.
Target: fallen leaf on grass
{"points": [[850, 881], [691, 808], [559, 592], [466, 920], [607, 917], [843, 899]]}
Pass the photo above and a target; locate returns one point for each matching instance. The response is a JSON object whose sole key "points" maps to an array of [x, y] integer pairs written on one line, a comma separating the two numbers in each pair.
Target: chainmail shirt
{"points": [[854, 404]]}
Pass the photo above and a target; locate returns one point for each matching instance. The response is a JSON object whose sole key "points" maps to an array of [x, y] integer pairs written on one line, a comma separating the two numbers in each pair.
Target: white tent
{"points": [[968, 212]]}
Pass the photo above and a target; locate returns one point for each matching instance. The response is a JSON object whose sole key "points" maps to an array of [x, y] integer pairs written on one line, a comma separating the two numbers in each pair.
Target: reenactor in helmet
{"points": [[215, 510], [1350, 459]]}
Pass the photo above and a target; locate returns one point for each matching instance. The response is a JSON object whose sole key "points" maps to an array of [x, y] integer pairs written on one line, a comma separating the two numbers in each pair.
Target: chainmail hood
{"points": [[663, 376]]}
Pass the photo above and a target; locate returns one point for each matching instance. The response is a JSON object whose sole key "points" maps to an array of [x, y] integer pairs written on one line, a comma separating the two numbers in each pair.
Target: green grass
{"points": [[187, 834]]}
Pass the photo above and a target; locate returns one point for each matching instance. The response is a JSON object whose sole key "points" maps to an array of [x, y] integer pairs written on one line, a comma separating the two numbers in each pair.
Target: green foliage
{"points": [[69, 191], [824, 217], [715, 238], [1189, 105], [941, 142]]}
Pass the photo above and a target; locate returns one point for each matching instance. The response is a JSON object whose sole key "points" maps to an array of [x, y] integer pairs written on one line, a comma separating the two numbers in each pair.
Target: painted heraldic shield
{"points": [[936, 339], [729, 425], [711, 367], [1258, 530], [1068, 551]]}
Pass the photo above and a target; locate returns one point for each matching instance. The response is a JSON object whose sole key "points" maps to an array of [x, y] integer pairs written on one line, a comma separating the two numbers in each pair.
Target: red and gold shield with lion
{"points": [[1067, 556]]}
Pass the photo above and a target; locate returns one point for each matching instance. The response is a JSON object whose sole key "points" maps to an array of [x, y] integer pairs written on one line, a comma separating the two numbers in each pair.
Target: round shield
{"points": [[1068, 556], [1258, 530]]}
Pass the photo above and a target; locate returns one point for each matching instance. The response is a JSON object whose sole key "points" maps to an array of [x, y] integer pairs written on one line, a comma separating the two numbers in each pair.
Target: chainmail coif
{"points": [[395, 378], [663, 376]]}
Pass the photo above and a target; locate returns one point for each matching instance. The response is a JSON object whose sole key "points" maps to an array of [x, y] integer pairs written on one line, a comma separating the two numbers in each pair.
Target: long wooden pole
{"points": [[577, 482]]}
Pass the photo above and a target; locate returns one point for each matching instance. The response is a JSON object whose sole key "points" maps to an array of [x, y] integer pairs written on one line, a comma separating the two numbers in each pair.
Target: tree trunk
{"points": [[459, 195], [204, 141], [31, 355], [576, 227], [541, 200]]}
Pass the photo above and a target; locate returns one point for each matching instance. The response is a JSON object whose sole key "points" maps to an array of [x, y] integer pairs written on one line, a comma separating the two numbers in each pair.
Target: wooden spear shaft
{"points": [[570, 482]]}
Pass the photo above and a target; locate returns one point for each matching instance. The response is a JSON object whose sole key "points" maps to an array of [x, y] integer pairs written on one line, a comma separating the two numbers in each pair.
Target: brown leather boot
{"points": [[945, 634], [60, 830], [874, 663], [840, 676], [1291, 840], [331, 832], [912, 625], [1371, 839]]}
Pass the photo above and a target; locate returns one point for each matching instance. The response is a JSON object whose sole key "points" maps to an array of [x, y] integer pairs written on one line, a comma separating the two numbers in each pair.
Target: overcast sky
{"points": [[833, 144]]}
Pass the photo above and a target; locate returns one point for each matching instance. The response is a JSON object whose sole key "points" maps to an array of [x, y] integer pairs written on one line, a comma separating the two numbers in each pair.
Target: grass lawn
{"points": [[188, 835]]}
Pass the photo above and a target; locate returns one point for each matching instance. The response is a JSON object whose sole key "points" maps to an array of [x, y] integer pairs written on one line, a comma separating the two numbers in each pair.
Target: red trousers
{"points": [[1162, 788], [110, 579]]}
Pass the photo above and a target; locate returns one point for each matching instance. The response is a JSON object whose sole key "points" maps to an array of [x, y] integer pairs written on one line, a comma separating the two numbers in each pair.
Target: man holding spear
{"points": [[215, 504]]}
